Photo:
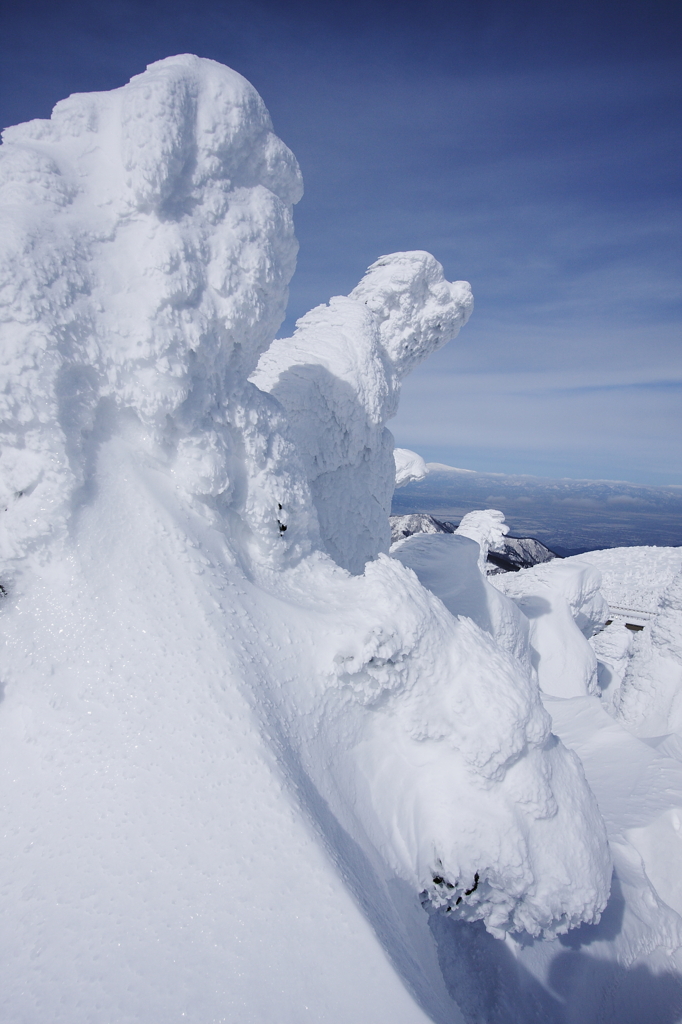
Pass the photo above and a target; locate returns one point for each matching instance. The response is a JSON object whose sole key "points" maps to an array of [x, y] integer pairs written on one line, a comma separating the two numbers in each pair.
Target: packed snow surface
{"points": [[253, 768], [564, 606]]}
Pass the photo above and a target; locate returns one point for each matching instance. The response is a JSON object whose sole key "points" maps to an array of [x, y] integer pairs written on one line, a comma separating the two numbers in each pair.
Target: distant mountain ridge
{"points": [[568, 516]]}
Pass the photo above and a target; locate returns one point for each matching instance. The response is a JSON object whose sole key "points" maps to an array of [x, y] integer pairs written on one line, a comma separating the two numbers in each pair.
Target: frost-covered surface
{"points": [[448, 565], [339, 380], [408, 467], [147, 247], [620, 969], [239, 783], [627, 968], [641, 673], [613, 647]]}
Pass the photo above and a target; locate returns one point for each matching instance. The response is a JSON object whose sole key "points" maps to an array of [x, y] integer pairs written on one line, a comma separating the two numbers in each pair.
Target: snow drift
{"points": [[562, 601], [214, 671]]}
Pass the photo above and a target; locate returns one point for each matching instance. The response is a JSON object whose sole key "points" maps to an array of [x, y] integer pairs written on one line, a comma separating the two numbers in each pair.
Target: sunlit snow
{"points": [[254, 767]]}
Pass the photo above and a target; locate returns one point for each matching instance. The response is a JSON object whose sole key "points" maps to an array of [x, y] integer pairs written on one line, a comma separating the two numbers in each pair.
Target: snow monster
{"points": [[226, 707]]}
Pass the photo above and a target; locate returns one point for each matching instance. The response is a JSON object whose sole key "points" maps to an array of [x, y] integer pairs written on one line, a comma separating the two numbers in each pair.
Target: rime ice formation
{"points": [[148, 245], [209, 725], [487, 527], [612, 646], [408, 467], [339, 380]]}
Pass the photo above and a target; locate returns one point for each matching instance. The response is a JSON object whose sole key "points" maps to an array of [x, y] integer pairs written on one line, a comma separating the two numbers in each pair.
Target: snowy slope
{"points": [[161, 855], [628, 736], [157, 861], [239, 782]]}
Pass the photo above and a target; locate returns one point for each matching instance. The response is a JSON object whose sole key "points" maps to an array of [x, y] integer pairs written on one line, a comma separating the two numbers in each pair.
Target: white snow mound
{"points": [[563, 603]]}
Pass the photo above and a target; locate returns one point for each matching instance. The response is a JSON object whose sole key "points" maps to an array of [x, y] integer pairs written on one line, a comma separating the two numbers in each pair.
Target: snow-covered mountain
{"points": [[520, 553], [418, 522], [254, 768]]}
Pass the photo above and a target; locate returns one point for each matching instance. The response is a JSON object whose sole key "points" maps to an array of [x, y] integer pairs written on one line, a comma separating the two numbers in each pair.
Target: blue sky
{"points": [[534, 148]]}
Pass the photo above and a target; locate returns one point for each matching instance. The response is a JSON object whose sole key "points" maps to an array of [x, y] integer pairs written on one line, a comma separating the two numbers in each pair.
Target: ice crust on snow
{"points": [[215, 672]]}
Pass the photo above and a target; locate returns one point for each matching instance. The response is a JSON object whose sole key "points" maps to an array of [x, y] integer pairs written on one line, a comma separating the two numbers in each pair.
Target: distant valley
{"points": [[569, 516]]}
